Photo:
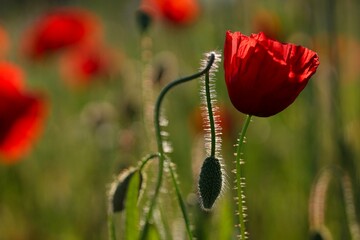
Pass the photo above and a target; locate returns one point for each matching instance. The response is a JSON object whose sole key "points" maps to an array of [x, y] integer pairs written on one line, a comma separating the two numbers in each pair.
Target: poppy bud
{"points": [[317, 236], [118, 189], [322, 234], [143, 20], [210, 182]]}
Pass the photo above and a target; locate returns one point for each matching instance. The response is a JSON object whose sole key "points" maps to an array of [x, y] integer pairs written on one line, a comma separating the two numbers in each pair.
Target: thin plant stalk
{"points": [[350, 211], [210, 114], [181, 202], [240, 179], [111, 226], [145, 160], [162, 152]]}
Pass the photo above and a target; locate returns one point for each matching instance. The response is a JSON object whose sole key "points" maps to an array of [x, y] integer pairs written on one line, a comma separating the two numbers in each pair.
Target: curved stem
{"points": [[146, 159], [240, 179], [160, 145], [210, 114]]}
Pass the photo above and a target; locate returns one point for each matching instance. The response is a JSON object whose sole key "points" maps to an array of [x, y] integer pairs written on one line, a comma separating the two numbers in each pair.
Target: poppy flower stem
{"points": [[240, 179], [210, 114], [162, 156]]}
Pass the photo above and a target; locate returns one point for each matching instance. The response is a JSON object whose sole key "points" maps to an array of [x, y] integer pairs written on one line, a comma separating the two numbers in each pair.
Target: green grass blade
{"points": [[153, 233], [131, 208]]}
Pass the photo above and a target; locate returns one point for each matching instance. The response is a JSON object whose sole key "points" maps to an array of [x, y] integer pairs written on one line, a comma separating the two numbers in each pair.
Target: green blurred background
{"points": [[58, 191]]}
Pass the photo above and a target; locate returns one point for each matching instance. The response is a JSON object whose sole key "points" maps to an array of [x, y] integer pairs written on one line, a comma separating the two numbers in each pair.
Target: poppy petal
{"points": [[21, 114], [264, 76]]}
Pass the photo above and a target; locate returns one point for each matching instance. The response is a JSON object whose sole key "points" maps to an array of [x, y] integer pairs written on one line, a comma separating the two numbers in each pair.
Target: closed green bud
{"points": [[143, 19], [118, 190], [321, 234], [210, 182]]}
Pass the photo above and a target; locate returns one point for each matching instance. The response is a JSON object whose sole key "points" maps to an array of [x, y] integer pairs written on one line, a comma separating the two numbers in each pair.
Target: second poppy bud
{"points": [[210, 182]]}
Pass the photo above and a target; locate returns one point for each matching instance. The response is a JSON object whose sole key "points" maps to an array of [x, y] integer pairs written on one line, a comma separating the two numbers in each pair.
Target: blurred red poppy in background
{"points": [[82, 65], [225, 119], [179, 12], [267, 22], [59, 29], [263, 76], [21, 114], [4, 41], [174, 11]]}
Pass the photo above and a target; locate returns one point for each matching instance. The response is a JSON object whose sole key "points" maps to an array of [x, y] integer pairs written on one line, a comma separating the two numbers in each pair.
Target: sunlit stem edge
{"points": [[210, 115], [162, 153], [240, 176]]}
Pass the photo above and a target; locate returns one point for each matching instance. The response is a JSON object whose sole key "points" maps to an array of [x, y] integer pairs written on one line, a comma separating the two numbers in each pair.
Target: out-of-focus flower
{"points": [[263, 76], [179, 12], [268, 23], [349, 58], [58, 29], [4, 42], [82, 65], [22, 114], [343, 51], [174, 11], [222, 112]]}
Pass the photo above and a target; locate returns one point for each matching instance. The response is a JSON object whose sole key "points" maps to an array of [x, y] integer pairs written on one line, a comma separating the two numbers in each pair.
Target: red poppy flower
{"points": [[263, 76], [21, 114], [85, 64], [177, 12], [58, 29], [4, 42]]}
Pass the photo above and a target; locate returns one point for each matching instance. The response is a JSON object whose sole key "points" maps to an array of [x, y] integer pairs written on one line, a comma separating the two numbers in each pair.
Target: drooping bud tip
{"points": [[210, 182]]}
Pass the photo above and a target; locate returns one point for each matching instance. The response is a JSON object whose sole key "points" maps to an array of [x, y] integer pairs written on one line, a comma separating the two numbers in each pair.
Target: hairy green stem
{"points": [[210, 114], [162, 153], [240, 179]]}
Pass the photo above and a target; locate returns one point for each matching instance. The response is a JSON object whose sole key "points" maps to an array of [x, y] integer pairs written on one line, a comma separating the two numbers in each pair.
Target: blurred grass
{"points": [[58, 191]]}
